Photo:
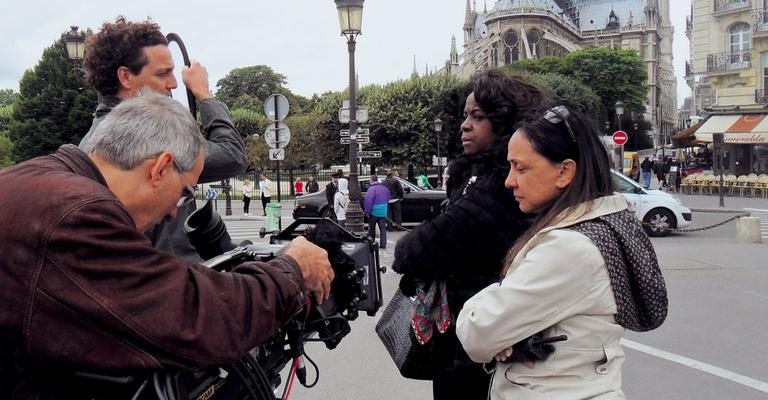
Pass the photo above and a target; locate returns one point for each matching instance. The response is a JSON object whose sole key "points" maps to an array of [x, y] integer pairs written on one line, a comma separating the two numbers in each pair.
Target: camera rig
{"points": [[257, 375]]}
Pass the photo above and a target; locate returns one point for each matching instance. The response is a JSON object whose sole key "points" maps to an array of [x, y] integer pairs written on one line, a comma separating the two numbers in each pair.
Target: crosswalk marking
{"points": [[763, 215]]}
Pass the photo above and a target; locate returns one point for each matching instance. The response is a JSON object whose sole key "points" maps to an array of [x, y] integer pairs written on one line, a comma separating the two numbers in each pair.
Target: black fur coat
{"points": [[468, 242]]}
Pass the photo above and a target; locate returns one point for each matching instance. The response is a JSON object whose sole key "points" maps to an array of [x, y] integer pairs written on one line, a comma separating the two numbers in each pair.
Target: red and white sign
{"points": [[620, 137]]}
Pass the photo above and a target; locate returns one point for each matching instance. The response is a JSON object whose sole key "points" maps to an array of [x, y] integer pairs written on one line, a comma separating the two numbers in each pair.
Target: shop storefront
{"points": [[745, 140]]}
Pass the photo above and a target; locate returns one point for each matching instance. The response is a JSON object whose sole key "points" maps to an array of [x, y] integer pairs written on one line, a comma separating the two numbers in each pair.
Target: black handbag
{"points": [[413, 360]]}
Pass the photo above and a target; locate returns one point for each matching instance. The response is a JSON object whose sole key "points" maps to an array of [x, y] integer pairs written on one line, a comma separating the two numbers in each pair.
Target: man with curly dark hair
{"points": [[125, 57]]}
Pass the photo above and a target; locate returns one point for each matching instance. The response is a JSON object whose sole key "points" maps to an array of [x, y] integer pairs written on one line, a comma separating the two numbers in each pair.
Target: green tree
{"points": [[54, 106], [257, 81], [400, 121], [7, 97], [564, 89], [611, 74]]}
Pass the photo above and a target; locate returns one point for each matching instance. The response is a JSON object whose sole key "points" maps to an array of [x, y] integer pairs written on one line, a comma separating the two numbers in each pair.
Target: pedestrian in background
{"points": [[312, 185], [423, 182], [464, 246], [646, 168], [247, 194], [395, 215], [340, 201], [376, 204], [265, 189], [585, 269], [330, 189], [659, 168], [298, 187]]}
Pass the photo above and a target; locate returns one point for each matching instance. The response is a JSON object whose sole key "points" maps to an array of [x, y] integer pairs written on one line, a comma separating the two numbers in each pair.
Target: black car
{"points": [[418, 204]]}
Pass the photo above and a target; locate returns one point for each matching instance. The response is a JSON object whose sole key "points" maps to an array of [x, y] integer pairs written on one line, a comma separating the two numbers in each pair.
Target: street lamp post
{"points": [[619, 151], [351, 21], [619, 111], [75, 41], [438, 125]]}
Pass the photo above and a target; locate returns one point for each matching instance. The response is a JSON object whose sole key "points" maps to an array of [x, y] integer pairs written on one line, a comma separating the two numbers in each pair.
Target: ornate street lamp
{"points": [[619, 111], [438, 125], [75, 41], [351, 21]]}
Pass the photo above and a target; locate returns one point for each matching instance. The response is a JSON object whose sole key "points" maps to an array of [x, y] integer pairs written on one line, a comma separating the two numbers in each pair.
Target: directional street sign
{"points": [[359, 139], [282, 107], [360, 132], [441, 162], [361, 115], [277, 154], [369, 154], [283, 135]]}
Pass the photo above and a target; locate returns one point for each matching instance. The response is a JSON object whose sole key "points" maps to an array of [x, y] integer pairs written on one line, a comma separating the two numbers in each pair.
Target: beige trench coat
{"points": [[559, 284]]}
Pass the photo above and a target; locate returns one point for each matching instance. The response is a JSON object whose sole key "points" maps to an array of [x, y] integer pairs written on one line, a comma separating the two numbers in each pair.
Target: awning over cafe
{"points": [[736, 128]]}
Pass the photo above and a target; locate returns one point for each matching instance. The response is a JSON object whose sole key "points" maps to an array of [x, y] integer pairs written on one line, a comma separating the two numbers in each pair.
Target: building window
{"points": [[739, 43]]}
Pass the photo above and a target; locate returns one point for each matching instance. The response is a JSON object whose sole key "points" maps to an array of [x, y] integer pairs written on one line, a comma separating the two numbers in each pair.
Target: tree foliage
{"points": [[54, 106], [401, 116], [256, 81], [563, 89], [8, 97], [611, 74]]}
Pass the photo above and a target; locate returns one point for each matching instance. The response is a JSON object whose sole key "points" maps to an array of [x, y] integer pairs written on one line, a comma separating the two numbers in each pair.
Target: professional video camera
{"points": [[256, 376]]}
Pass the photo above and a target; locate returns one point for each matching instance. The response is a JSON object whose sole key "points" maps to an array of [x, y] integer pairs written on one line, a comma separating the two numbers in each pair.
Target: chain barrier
{"points": [[703, 228], [398, 227]]}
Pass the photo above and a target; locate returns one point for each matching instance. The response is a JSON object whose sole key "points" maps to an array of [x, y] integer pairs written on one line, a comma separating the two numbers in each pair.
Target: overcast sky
{"points": [[297, 38]]}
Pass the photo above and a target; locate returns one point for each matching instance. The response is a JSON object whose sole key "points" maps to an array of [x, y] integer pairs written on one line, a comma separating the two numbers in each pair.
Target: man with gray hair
{"points": [[83, 288]]}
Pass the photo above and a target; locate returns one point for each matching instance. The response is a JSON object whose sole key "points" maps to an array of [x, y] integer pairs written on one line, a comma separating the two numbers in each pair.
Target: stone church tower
{"points": [[514, 30]]}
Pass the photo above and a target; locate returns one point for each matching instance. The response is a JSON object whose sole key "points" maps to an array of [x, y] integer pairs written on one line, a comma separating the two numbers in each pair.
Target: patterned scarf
{"points": [[431, 311], [638, 286]]}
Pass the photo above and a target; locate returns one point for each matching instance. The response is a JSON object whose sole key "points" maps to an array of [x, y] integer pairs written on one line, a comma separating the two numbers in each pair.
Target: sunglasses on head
{"points": [[556, 115]]}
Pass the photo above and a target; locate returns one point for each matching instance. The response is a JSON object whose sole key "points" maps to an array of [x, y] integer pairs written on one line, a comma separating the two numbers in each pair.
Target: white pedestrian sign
{"points": [[277, 154]]}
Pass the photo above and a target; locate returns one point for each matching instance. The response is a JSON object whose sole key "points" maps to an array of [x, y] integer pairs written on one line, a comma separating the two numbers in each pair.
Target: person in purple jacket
{"points": [[375, 204]]}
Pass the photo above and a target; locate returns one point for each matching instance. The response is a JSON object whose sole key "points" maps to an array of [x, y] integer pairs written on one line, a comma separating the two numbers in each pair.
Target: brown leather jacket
{"points": [[82, 288]]}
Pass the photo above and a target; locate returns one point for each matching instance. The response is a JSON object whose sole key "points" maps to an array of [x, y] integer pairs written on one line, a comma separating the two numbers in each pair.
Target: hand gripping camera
{"points": [[356, 287]]}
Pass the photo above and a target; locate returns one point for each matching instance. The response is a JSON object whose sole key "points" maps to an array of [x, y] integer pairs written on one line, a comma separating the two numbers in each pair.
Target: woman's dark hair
{"points": [[119, 44], [505, 99], [559, 133]]}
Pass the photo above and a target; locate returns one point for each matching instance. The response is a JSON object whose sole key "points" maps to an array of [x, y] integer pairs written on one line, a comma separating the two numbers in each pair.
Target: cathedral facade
{"points": [[513, 30]]}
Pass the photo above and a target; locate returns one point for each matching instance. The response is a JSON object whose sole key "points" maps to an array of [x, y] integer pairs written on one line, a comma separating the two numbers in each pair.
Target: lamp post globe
{"points": [[619, 107], [75, 41], [438, 125], [350, 23]]}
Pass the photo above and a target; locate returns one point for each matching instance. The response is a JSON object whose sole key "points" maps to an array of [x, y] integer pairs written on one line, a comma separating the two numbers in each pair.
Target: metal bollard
{"points": [[748, 230]]}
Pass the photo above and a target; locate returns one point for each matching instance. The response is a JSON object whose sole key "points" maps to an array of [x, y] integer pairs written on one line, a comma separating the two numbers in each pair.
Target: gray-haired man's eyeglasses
{"points": [[188, 193], [556, 115]]}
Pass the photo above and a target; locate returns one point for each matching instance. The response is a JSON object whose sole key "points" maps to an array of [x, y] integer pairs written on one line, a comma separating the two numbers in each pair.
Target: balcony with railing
{"points": [[761, 97], [725, 62], [760, 21], [728, 6]]}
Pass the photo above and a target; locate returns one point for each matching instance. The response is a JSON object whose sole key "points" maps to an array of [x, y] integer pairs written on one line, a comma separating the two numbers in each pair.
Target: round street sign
{"points": [[620, 137], [282, 107], [283, 135]]}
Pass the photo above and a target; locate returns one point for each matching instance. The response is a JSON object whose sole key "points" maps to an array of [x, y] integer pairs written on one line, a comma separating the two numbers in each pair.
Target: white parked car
{"points": [[659, 211]]}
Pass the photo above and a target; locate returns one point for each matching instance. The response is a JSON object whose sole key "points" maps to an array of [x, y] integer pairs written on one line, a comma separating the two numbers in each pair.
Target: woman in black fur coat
{"points": [[465, 245]]}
